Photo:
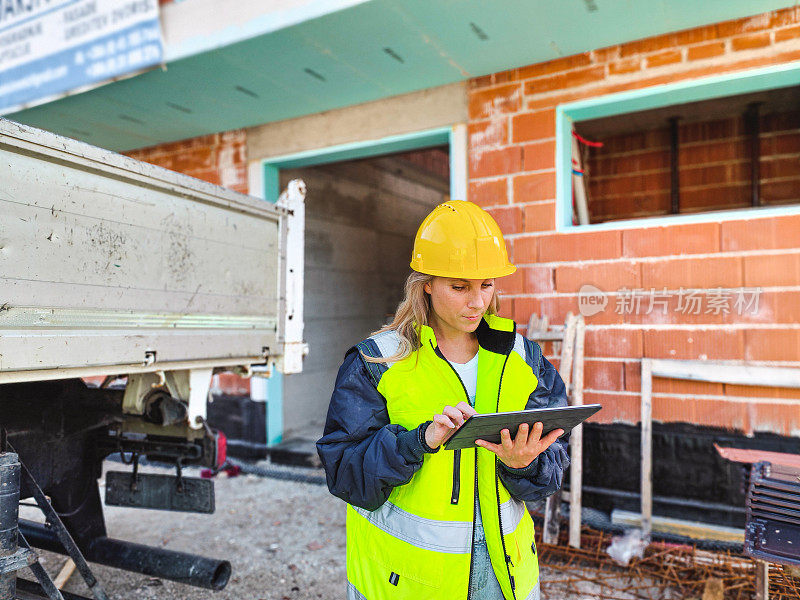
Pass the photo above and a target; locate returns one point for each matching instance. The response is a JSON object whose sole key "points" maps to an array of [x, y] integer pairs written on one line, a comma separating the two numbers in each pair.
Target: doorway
{"points": [[361, 218]]}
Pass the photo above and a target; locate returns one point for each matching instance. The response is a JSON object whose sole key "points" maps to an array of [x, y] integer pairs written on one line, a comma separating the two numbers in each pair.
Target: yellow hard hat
{"points": [[460, 239]]}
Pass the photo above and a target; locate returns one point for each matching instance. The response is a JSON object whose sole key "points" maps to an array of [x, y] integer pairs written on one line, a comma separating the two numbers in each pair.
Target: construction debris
{"points": [[665, 571]]}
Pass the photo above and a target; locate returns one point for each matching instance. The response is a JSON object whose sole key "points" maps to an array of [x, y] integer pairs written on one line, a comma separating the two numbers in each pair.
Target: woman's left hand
{"points": [[525, 447]]}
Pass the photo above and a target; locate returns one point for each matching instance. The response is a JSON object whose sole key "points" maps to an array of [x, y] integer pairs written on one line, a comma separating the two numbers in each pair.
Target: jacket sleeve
{"points": [[364, 456], [543, 476]]}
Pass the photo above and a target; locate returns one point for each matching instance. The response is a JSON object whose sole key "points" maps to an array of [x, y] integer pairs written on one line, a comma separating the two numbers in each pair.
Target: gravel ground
{"points": [[285, 541]]}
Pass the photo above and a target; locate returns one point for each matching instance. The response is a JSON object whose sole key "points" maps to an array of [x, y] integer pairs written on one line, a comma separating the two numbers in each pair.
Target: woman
{"points": [[423, 522]]}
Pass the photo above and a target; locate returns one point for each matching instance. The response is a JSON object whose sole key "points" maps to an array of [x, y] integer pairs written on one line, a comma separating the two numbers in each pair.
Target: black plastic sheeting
{"points": [[690, 480], [244, 423]]}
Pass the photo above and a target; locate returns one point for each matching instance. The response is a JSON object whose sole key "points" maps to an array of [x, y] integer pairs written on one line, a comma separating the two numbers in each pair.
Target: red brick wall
{"points": [[512, 173], [219, 158], [629, 176]]}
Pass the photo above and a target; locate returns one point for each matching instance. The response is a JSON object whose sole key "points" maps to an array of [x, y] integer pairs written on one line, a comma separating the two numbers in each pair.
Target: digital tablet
{"points": [[488, 426]]}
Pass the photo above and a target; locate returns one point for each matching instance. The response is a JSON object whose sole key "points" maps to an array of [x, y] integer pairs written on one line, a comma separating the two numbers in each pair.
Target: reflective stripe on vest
{"points": [[534, 595], [511, 513], [451, 537], [354, 594]]}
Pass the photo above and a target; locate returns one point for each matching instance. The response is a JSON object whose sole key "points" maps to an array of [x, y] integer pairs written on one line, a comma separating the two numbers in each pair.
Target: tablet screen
{"points": [[488, 426]]}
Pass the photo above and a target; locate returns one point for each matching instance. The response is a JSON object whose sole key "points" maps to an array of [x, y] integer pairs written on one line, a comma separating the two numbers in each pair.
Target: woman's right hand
{"points": [[445, 424]]}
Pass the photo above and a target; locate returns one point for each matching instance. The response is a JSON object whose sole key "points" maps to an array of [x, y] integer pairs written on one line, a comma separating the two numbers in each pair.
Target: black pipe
{"points": [[662, 536], [182, 567], [674, 179], [9, 515], [753, 127], [684, 502]]}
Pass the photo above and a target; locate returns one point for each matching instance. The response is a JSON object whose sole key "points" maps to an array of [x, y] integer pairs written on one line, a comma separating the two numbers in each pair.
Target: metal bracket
{"points": [[63, 536], [19, 560], [188, 385], [199, 384], [43, 577]]}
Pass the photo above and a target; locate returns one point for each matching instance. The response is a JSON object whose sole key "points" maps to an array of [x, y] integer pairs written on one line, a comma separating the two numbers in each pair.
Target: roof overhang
{"points": [[269, 60]]}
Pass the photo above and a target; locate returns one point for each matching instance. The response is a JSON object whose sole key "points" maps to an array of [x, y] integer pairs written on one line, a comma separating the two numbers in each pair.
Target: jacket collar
{"points": [[494, 333]]}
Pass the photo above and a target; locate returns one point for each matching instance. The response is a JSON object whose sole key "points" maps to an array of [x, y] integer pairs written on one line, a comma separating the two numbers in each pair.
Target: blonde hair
{"points": [[414, 311]]}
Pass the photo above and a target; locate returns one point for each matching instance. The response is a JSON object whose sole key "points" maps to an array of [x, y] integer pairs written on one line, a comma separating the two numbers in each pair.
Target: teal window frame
{"points": [[442, 136], [707, 88]]}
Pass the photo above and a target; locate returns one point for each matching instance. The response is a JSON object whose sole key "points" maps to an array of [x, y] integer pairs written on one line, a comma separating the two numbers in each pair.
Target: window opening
{"points": [[712, 155]]}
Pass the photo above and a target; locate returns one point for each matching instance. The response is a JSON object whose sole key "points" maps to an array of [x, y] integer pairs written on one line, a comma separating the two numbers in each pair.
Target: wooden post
{"points": [[647, 448], [567, 350], [536, 326], [675, 190], [579, 186], [537, 329], [762, 580], [576, 443], [552, 518]]}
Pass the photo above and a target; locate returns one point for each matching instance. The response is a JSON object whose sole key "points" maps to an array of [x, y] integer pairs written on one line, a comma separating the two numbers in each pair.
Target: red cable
{"points": [[583, 140]]}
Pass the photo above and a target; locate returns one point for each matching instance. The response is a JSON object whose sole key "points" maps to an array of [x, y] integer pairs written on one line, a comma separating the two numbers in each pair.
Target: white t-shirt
{"points": [[468, 372]]}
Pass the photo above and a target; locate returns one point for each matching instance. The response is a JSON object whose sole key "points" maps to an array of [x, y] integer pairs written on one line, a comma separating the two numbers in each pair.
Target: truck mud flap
{"points": [[163, 492]]}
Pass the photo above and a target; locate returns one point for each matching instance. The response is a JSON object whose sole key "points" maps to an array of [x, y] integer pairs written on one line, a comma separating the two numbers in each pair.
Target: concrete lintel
{"points": [[442, 106]]}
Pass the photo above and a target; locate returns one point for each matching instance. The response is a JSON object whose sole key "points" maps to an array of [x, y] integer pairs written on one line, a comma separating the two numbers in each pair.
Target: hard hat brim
{"points": [[488, 274]]}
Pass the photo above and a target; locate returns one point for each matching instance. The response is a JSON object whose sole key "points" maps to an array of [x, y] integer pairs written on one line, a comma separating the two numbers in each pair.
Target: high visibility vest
{"points": [[418, 544]]}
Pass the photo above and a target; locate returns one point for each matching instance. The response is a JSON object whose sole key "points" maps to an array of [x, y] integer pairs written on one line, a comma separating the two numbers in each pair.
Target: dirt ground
{"points": [[284, 539]]}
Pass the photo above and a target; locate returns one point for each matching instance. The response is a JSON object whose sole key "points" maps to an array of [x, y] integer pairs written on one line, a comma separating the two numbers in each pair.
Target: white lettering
{"points": [[34, 80]]}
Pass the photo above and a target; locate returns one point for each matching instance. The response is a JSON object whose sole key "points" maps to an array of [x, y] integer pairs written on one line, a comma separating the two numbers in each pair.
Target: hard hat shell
{"points": [[460, 239]]}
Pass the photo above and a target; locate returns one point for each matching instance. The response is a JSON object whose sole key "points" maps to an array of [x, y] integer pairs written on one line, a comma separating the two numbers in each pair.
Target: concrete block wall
{"points": [[512, 174], [361, 217]]}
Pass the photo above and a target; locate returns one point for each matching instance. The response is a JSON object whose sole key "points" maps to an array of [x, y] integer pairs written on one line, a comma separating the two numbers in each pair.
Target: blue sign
{"points": [[49, 47]]}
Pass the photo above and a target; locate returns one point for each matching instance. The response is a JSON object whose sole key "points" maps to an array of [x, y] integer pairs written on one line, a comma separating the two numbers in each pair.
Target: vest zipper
{"points": [[497, 491], [456, 491], [457, 476]]}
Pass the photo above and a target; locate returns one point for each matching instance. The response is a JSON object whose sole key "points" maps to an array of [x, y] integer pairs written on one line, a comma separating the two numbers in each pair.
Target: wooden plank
{"points": [[762, 580], [576, 443], [552, 519], [750, 456], [647, 448], [552, 506], [537, 327], [579, 185], [727, 373], [546, 336], [65, 573], [567, 348]]}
